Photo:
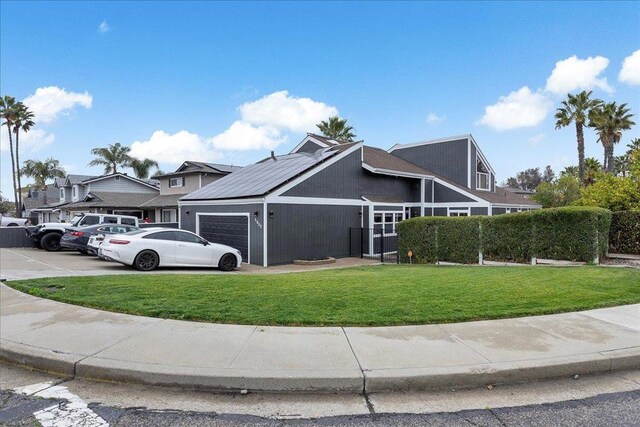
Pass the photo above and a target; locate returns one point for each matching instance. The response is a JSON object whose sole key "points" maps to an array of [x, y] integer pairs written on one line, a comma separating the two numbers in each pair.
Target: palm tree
{"points": [[592, 167], [42, 171], [570, 171], [142, 168], [633, 145], [336, 128], [621, 165], [609, 120], [23, 122], [111, 157], [8, 115], [576, 109]]}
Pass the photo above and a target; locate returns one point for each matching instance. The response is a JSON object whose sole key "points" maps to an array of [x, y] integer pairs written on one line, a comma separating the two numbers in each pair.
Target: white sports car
{"points": [[149, 248]]}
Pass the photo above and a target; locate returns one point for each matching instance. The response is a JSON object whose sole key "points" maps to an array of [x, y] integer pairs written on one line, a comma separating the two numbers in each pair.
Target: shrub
{"points": [[625, 232], [568, 233]]}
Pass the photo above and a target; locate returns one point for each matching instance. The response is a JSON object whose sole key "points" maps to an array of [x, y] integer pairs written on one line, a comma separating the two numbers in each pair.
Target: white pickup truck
{"points": [[9, 221]]}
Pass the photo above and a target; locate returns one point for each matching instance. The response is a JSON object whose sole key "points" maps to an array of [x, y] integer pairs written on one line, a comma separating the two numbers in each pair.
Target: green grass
{"points": [[376, 295]]}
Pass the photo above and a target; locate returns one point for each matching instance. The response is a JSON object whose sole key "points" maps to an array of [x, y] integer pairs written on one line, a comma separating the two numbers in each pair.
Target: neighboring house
{"points": [[303, 204], [524, 193], [36, 198], [189, 177], [116, 193]]}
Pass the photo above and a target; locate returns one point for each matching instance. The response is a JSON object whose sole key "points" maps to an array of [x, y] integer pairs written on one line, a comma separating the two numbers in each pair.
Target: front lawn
{"points": [[375, 295]]}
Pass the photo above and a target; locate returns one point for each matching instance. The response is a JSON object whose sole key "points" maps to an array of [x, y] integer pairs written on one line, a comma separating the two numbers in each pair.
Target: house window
{"points": [[73, 191], [168, 215], [62, 194], [176, 182], [459, 212], [386, 221], [483, 177], [117, 177]]}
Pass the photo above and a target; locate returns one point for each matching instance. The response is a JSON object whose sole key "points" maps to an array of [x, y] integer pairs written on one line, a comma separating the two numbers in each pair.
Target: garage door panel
{"points": [[227, 230]]}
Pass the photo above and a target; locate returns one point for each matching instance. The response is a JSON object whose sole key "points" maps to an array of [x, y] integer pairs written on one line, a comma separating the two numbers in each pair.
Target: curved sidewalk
{"points": [[89, 343]]}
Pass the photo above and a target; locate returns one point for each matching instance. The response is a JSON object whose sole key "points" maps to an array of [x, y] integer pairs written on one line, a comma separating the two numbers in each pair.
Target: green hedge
{"points": [[625, 232], [568, 233]]}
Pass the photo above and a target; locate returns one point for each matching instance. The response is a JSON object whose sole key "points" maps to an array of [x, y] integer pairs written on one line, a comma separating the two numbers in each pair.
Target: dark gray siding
{"points": [[428, 190], [346, 179], [479, 211], [188, 222], [493, 182], [439, 211], [309, 147], [444, 194], [474, 165], [387, 208], [498, 211], [309, 231], [449, 159]]}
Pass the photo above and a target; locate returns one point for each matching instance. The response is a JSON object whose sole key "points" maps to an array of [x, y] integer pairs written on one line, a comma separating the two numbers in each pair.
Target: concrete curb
{"points": [[329, 381]]}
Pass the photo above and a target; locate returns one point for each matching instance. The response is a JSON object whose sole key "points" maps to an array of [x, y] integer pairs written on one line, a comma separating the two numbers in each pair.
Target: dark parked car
{"points": [[77, 238]]}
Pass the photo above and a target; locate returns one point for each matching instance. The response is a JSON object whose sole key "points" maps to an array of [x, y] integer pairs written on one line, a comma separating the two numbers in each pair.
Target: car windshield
{"points": [[76, 219]]}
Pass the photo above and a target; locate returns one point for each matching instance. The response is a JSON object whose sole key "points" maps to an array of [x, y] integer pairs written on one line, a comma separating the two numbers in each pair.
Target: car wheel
{"points": [[146, 261], [228, 262], [51, 242]]}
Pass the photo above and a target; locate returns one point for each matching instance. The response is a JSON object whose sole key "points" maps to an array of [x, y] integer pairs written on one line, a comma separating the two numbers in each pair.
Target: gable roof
{"points": [[262, 177], [321, 141], [378, 158], [112, 199], [72, 179], [200, 167], [148, 183]]}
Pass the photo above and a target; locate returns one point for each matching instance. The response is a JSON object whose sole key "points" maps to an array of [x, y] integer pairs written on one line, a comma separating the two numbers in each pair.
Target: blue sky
{"points": [[228, 82]]}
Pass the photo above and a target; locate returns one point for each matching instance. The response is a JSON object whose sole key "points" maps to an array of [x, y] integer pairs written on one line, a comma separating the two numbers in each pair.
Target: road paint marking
{"points": [[72, 412]]}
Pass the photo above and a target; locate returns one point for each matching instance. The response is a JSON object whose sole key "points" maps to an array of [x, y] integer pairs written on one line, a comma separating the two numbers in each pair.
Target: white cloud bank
{"points": [[261, 126], [174, 149], [575, 74], [522, 108], [48, 103], [630, 72]]}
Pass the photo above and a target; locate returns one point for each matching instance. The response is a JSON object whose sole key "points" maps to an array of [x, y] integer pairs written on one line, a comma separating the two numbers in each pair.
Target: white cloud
{"points": [[280, 110], [50, 102], [574, 73], [174, 149], [519, 109], [630, 72], [537, 139], [32, 141], [104, 27], [433, 118], [244, 136]]}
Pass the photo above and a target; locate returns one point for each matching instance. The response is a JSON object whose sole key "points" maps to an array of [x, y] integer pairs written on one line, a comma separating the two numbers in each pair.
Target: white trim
{"points": [[488, 181], [307, 139], [422, 201], [431, 141], [170, 210], [318, 201], [317, 169], [458, 210], [482, 156], [394, 173], [265, 219], [469, 168], [245, 214], [100, 178], [199, 180], [182, 183], [449, 204], [459, 190], [514, 205], [219, 202]]}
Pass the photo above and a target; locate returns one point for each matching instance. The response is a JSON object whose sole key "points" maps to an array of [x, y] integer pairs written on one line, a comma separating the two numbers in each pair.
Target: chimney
{"points": [[273, 156]]}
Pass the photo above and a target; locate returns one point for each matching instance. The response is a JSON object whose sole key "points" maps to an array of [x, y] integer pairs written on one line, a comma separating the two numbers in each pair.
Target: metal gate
{"points": [[372, 243]]}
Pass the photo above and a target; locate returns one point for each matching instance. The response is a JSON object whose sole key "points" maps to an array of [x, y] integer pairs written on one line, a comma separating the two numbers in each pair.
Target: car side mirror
{"points": [[205, 243]]}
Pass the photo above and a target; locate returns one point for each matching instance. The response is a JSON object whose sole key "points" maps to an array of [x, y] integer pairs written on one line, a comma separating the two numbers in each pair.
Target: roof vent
{"points": [[273, 156]]}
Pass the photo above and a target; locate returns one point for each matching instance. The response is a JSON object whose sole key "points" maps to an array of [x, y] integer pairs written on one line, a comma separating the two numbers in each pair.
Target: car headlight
{"points": [[238, 252]]}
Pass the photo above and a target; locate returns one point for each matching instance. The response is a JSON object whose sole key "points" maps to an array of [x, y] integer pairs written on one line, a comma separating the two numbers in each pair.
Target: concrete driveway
{"points": [[31, 263]]}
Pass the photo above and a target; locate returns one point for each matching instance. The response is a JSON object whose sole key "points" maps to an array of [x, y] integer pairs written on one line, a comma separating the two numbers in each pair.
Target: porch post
{"points": [[422, 189]]}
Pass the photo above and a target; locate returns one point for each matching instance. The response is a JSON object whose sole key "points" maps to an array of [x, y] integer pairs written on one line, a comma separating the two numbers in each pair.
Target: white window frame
{"points": [[181, 184], [172, 215], [394, 222], [62, 196], [479, 175], [458, 211]]}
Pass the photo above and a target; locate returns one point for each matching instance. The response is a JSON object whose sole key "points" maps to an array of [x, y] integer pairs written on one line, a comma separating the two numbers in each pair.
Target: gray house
{"points": [[302, 205], [189, 177]]}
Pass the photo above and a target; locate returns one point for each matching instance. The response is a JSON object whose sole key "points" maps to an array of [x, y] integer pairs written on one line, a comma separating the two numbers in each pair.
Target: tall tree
{"points": [[592, 167], [8, 115], [42, 171], [609, 121], [142, 168], [570, 171], [549, 175], [336, 128], [111, 157], [575, 109], [23, 122], [528, 179]]}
